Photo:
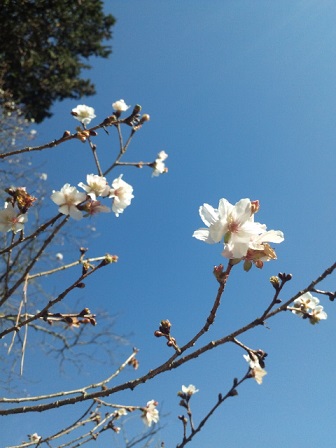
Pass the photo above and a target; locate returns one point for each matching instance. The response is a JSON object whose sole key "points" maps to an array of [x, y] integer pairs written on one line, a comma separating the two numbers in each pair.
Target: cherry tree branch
{"points": [[171, 363]]}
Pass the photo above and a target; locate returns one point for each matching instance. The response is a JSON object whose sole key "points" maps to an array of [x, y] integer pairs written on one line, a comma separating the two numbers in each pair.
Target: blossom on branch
{"points": [[150, 413], [234, 225], [68, 198], [119, 413], [83, 113], [158, 165], [34, 437], [257, 372], [121, 192], [96, 186], [307, 306], [11, 219], [190, 390], [120, 106]]}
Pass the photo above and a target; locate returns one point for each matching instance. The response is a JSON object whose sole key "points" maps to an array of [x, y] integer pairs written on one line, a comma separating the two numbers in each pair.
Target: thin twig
{"points": [[168, 365]]}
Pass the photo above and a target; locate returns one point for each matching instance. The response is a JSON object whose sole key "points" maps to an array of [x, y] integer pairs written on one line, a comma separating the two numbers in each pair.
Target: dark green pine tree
{"points": [[44, 45]]}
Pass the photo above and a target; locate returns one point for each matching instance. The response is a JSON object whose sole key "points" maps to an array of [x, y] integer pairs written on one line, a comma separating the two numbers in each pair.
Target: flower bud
{"points": [[111, 258], [109, 120], [165, 327], [144, 118], [254, 207], [274, 280], [247, 265], [137, 109]]}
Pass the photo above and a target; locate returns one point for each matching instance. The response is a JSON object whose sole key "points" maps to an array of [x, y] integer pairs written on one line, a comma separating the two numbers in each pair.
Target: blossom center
{"points": [[233, 225]]}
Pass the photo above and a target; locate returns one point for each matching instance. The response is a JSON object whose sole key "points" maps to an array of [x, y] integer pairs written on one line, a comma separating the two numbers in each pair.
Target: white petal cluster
{"points": [[308, 306], [190, 390], [34, 437], [257, 371], [84, 114], [121, 192], [120, 106], [11, 219], [159, 165], [120, 413], [68, 198], [150, 413], [234, 225], [96, 186]]}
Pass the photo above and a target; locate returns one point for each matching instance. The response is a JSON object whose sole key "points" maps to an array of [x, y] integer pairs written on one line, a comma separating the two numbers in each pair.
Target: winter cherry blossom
{"points": [[34, 437], [119, 413], [308, 306], [159, 166], [11, 219], [190, 390], [121, 192], [150, 413], [67, 199], [96, 186], [257, 371], [234, 224], [84, 114], [120, 106], [304, 304]]}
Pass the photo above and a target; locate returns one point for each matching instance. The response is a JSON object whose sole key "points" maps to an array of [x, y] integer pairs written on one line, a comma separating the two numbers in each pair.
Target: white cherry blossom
{"points": [[83, 113], [304, 304], [67, 199], [119, 413], [34, 437], [150, 413], [190, 390], [308, 305], [96, 186], [121, 192], [120, 106], [257, 371], [159, 165], [11, 219], [233, 224]]}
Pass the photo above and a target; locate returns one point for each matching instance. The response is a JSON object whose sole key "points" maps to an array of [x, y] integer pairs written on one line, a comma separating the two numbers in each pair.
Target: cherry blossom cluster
{"points": [[243, 238], [307, 306], [73, 202]]}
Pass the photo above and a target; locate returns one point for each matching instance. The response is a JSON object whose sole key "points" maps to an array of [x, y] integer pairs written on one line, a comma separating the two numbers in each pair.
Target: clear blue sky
{"points": [[242, 96]]}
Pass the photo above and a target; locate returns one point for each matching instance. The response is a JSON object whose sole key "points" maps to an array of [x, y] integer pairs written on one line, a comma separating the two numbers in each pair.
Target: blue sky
{"points": [[242, 97]]}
